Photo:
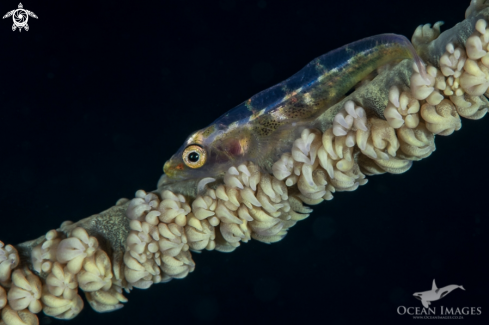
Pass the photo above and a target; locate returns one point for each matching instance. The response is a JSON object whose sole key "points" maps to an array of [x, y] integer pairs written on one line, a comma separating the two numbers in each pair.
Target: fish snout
{"points": [[171, 168]]}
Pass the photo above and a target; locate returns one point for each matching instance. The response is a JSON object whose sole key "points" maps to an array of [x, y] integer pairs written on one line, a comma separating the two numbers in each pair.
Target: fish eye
{"points": [[194, 156]]}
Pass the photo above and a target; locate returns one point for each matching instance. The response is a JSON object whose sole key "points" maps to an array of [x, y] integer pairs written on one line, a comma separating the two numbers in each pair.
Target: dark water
{"points": [[95, 97]]}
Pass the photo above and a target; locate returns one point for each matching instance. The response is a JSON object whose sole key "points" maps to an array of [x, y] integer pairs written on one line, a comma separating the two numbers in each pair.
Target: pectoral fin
{"points": [[425, 303]]}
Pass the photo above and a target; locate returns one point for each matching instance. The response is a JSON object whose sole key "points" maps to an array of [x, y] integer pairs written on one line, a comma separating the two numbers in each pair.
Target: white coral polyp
{"points": [[172, 239], [425, 33], [334, 153], [242, 176], [18, 317], [348, 120], [471, 107], [441, 119], [25, 291], [96, 273], [283, 167], [141, 204], [9, 259], [60, 307], [61, 282], [452, 66], [179, 266], [452, 61], [204, 207], [232, 233], [268, 198], [200, 234], [142, 269], [157, 234], [309, 145], [105, 301], [173, 208], [286, 168], [305, 148], [135, 273], [475, 79], [234, 205], [75, 249], [427, 87], [402, 109], [44, 254], [263, 224], [144, 236], [142, 245], [476, 44]]}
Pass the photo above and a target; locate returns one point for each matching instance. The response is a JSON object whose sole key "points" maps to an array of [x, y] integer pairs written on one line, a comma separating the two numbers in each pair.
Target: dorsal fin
{"points": [[434, 287]]}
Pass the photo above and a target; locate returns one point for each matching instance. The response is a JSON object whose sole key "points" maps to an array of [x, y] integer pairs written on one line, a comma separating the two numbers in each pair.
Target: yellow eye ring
{"points": [[194, 156]]}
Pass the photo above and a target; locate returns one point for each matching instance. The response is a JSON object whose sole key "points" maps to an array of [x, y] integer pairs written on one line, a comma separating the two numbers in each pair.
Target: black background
{"points": [[96, 96]]}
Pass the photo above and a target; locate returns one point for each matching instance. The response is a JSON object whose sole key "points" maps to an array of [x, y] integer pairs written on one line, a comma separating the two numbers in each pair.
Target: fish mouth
{"points": [[174, 169]]}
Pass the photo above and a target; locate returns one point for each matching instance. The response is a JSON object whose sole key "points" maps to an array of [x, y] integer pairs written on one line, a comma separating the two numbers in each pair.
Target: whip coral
{"points": [[263, 172]]}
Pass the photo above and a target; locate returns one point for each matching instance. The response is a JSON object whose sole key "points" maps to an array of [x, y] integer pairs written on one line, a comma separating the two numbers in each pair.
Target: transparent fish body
{"points": [[262, 127]]}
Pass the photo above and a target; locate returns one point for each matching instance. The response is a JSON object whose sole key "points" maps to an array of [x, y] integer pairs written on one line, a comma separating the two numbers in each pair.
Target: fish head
{"points": [[208, 153]]}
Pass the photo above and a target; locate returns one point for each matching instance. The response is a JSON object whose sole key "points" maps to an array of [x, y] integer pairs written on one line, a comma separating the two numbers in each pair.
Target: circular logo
{"points": [[20, 17]]}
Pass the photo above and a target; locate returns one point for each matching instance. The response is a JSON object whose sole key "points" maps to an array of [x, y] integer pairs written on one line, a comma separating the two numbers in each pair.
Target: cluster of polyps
{"points": [[22, 301], [157, 245], [322, 163], [463, 79], [319, 164], [44, 255], [248, 204], [60, 297], [252, 204], [9, 259], [402, 109], [26, 293], [451, 66], [157, 248], [80, 255], [475, 79]]}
